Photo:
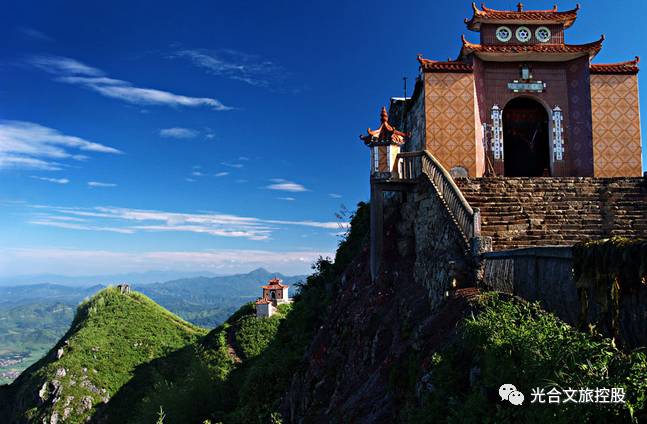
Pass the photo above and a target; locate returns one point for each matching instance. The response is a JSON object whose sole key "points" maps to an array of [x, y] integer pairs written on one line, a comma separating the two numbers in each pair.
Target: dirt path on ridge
{"points": [[231, 344]]}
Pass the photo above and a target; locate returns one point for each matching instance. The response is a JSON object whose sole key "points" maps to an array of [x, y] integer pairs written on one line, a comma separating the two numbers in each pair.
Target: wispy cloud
{"points": [[235, 65], [34, 34], [100, 184], [232, 165], [289, 199], [335, 195], [221, 174], [26, 145], [178, 132], [52, 180], [138, 220], [74, 72], [285, 185], [60, 260]]}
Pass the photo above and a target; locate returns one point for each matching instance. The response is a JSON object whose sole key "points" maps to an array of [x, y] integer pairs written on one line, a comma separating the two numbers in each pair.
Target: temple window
{"points": [[523, 34], [503, 34], [542, 34]]}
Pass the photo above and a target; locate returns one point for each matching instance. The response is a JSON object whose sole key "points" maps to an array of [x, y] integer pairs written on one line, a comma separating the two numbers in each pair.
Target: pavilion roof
{"points": [[519, 16], [549, 51], [275, 283], [629, 68], [263, 301], [385, 133]]}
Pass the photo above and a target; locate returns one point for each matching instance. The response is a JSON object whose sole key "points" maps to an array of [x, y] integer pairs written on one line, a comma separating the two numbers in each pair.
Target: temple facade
{"points": [[521, 102]]}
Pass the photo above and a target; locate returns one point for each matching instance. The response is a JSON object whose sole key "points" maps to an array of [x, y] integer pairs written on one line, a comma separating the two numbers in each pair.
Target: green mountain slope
{"points": [[111, 335]]}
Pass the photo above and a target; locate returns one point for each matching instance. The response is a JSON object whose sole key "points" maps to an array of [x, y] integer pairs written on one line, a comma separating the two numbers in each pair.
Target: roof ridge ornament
{"points": [[386, 133]]}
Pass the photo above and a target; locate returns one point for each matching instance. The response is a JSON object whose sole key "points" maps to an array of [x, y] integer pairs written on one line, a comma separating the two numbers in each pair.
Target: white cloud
{"points": [[100, 184], [198, 174], [235, 65], [52, 180], [189, 180], [289, 199], [34, 34], [285, 185], [66, 261], [243, 158], [27, 145], [178, 132], [136, 220], [222, 174], [74, 226], [232, 165], [335, 195], [71, 71]]}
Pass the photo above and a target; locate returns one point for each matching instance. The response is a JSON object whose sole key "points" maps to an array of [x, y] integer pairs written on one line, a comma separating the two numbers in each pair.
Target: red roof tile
{"points": [[385, 133], [629, 67], [487, 15], [449, 66], [591, 48], [263, 302]]}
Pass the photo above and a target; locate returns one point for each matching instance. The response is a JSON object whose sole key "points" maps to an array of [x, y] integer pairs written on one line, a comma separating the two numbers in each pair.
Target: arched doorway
{"points": [[525, 139]]}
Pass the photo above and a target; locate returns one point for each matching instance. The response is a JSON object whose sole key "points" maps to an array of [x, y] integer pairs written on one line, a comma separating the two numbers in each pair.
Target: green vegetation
{"points": [[515, 342], [111, 335]]}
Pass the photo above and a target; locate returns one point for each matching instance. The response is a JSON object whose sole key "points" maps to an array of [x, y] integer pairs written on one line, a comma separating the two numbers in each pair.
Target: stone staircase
{"points": [[528, 212]]}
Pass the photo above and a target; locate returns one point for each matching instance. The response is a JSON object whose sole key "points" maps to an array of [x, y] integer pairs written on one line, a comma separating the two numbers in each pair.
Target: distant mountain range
{"points": [[147, 277], [34, 316]]}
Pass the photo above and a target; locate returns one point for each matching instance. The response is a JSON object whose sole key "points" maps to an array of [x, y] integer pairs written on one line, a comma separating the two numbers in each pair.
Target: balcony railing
{"points": [[411, 166]]}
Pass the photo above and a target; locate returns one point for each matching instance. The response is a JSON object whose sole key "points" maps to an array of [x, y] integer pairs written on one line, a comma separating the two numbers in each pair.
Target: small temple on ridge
{"points": [[520, 102], [275, 293]]}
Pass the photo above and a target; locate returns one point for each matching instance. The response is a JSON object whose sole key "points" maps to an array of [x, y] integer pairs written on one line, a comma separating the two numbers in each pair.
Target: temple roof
{"points": [[520, 16], [263, 301], [275, 283], [385, 133], [630, 67], [449, 66], [539, 52]]}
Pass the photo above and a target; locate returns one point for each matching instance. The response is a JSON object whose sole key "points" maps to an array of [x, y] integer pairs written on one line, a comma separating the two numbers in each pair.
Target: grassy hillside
{"points": [[112, 334], [509, 341]]}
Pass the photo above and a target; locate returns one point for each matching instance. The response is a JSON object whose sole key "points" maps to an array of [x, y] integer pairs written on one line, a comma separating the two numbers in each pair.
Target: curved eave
{"points": [[455, 66], [621, 68], [531, 52], [491, 16]]}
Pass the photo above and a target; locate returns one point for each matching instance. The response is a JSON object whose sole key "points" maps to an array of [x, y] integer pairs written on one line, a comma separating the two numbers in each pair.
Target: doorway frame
{"points": [[551, 129]]}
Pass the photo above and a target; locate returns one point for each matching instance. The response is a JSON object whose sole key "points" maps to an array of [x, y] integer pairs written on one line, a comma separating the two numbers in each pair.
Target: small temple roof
{"points": [[548, 51], [385, 133], [448, 66], [263, 301], [519, 16], [275, 283], [628, 68]]}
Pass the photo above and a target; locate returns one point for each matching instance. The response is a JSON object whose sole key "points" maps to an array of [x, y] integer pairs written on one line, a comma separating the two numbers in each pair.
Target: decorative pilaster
{"points": [[558, 134]]}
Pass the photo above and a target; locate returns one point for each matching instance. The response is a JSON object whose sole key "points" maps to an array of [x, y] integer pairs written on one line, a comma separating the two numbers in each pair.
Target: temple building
{"points": [[275, 293], [521, 103]]}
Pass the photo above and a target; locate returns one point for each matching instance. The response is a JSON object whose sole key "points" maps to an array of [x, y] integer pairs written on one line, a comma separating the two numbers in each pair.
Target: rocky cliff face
{"points": [[378, 335]]}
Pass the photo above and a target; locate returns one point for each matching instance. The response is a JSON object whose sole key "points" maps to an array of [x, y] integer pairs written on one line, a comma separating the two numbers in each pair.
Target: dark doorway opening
{"points": [[525, 139]]}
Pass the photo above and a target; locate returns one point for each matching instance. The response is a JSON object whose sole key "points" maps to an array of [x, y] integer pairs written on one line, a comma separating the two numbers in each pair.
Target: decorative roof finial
{"points": [[384, 117], [520, 7]]}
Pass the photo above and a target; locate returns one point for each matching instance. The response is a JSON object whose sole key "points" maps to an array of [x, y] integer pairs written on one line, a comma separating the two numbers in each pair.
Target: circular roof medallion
{"points": [[523, 34], [503, 34], [542, 34]]}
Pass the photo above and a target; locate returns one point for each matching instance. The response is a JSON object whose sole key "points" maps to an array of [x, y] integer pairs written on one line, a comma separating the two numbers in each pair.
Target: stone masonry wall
{"points": [[427, 231]]}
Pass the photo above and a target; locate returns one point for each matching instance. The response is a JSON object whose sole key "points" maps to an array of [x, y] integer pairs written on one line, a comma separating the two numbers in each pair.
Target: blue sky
{"points": [[209, 135]]}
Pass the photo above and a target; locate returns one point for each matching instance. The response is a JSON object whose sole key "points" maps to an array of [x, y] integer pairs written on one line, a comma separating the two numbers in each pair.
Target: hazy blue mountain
{"points": [[90, 280], [34, 316]]}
